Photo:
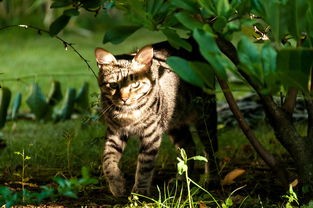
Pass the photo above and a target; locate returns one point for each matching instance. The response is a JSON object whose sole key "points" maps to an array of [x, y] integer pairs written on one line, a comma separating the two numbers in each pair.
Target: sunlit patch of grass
{"points": [[46, 144]]}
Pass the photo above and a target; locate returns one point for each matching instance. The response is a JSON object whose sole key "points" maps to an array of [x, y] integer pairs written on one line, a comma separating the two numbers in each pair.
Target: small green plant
{"points": [[22, 176], [174, 197], [292, 198], [70, 187], [182, 168]]}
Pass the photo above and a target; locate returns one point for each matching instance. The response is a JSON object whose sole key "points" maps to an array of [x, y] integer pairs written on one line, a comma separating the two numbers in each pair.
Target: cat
{"points": [[142, 96]]}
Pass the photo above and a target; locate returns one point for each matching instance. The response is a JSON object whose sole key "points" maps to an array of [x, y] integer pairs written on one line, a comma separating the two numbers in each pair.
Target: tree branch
{"points": [[264, 154], [290, 101], [230, 51]]}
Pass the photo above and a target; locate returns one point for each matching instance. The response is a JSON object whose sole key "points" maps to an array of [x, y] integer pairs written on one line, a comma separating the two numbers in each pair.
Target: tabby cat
{"points": [[142, 96]]}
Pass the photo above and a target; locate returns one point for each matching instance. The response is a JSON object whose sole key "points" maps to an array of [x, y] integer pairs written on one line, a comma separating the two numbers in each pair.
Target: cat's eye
{"points": [[113, 85], [135, 84]]}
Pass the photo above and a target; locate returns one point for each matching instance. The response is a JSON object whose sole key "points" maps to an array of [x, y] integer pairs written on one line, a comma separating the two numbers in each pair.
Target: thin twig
{"points": [[65, 43], [42, 75]]}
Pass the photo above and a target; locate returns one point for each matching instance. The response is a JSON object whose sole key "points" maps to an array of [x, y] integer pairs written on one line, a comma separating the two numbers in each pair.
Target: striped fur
{"points": [[141, 96]]}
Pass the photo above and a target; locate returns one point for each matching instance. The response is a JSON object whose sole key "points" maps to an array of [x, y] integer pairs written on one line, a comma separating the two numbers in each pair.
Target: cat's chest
{"points": [[129, 123], [127, 117]]}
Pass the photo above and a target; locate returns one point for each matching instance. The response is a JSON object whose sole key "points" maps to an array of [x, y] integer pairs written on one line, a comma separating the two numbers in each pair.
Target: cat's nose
{"points": [[124, 95], [124, 99]]}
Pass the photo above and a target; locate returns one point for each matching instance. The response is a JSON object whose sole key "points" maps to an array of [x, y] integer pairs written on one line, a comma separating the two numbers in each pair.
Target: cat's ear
{"points": [[104, 57], [144, 55]]}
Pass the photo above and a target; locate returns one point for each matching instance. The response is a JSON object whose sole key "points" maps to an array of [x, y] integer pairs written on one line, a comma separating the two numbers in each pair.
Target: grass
{"points": [[47, 145], [28, 57], [62, 149]]}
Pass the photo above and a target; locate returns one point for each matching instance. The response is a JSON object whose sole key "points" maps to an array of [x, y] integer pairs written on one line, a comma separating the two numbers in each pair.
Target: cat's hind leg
{"points": [[113, 149], [207, 130]]}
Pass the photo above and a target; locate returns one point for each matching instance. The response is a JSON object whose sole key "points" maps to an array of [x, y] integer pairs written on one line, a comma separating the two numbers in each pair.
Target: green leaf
{"points": [[156, 6], [181, 167], [211, 52], [16, 105], [118, 34], [37, 103], [250, 60], [184, 70], [222, 8], [55, 94], [68, 105], [88, 4], [268, 57], [220, 24], [188, 20], [284, 16], [188, 5], [258, 6], [208, 7], [175, 40], [295, 17], [199, 158], [58, 24], [71, 12], [294, 67], [82, 99], [5, 97], [229, 202], [60, 3]]}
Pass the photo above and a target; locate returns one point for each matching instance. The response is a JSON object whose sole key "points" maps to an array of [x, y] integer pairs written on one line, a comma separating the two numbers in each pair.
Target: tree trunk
{"points": [[300, 148]]}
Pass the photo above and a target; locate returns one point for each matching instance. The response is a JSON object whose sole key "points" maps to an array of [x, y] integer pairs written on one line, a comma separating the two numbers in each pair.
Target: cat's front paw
{"points": [[117, 187]]}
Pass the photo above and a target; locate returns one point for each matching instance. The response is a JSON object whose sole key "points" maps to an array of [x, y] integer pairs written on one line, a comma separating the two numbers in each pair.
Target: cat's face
{"points": [[125, 82]]}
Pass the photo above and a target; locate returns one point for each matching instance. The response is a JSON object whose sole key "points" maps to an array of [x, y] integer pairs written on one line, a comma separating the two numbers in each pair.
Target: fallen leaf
{"points": [[231, 176], [294, 183], [202, 204]]}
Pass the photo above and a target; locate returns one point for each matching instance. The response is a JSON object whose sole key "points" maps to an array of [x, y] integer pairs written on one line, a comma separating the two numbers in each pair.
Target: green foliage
{"points": [[5, 97], [70, 187], [37, 103], [42, 106], [294, 65], [197, 73], [212, 53], [292, 198], [285, 17], [64, 187], [82, 99], [119, 34], [55, 94], [72, 10], [16, 105], [68, 105], [59, 24], [264, 63]]}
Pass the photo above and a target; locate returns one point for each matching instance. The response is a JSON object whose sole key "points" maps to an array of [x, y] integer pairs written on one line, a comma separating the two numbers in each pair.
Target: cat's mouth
{"points": [[125, 103]]}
